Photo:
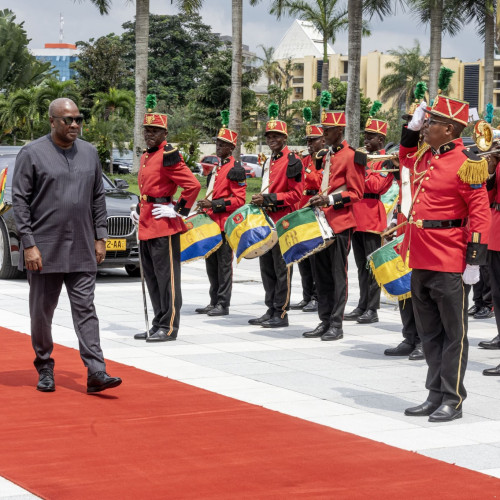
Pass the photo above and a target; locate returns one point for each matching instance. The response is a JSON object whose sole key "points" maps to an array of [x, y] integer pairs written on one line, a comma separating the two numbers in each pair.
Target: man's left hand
{"points": [[204, 204], [257, 199], [319, 200], [100, 250]]}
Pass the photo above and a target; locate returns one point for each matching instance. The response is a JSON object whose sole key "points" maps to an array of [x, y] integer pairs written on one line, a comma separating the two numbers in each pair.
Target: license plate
{"points": [[116, 245]]}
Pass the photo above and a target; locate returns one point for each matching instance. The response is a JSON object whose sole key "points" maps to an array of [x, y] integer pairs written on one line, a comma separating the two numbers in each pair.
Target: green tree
{"points": [[51, 89], [18, 68], [24, 109], [408, 68], [269, 66], [115, 102]]}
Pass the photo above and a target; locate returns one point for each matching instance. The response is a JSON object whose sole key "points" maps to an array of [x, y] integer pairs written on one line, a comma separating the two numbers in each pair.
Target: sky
{"points": [[83, 21]]}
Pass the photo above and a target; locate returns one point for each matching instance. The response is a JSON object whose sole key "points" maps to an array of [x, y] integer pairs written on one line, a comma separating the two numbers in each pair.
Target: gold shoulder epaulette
{"points": [[474, 171]]}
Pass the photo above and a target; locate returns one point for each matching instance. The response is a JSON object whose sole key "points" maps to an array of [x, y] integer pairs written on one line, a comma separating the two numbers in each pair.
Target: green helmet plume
{"points": [[307, 114], [224, 117], [272, 110], [150, 102], [375, 108], [420, 90], [444, 79], [489, 113], [325, 99]]}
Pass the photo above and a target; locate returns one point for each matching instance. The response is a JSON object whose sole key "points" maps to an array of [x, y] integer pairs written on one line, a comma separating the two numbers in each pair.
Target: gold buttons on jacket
{"points": [[423, 190], [413, 213], [431, 168]]}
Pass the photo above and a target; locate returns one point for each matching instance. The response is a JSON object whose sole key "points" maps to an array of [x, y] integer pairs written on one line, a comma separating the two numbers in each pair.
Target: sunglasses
{"points": [[431, 121], [68, 120]]}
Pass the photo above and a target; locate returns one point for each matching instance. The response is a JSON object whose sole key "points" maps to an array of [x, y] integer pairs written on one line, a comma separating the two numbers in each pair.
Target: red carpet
{"points": [[157, 438]]}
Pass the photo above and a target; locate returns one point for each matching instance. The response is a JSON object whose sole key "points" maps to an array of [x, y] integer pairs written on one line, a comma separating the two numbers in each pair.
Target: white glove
{"points": [[471, 274], [417, 121], [160, 211], [135, 217]]}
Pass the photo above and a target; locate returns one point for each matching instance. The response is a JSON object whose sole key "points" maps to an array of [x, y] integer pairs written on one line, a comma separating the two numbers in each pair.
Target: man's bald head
{"points": [[59, 104]]}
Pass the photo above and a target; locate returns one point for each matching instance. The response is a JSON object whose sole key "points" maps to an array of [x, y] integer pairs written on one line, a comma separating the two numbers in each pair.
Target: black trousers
{"points": [[161, 262], [482, 289], [220, 274], [363, 244], [45, 290], [440, 305], [306, 277], [410, 333], [494, 268], [277, 281], [330, 274]]}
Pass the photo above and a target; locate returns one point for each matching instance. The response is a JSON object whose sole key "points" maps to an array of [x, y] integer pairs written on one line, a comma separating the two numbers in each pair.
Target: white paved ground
{"points": [[348, 385]]}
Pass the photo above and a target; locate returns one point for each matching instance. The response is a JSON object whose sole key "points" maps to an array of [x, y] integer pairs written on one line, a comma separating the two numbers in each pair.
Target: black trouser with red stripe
{"points": [[277, 281], [307, 279], [440, 304], [220, 274], [330, 274], [363, 244], [161, 263]]}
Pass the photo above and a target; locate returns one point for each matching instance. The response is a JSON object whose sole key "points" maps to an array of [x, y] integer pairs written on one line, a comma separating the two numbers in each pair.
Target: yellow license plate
{"points": [[116, 245]]}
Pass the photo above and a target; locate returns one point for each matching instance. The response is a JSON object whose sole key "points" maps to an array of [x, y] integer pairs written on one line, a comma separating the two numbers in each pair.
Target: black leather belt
{"points": [[310, 192], [496, 206], [443, 224], [371, 196], [151, 199]]}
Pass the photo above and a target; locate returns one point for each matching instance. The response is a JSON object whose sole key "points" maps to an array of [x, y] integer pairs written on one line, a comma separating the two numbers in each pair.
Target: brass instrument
{"points": [[390, 156], [487, 138]]}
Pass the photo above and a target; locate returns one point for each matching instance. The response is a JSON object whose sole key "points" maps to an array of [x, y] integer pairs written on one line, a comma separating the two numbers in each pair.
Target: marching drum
{"points": [[202, 238], [303, 233], [390, 271], [250, 232]]}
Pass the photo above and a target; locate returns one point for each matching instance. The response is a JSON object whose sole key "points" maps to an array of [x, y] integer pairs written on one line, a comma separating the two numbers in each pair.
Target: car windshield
{"points": [[107, 183]]}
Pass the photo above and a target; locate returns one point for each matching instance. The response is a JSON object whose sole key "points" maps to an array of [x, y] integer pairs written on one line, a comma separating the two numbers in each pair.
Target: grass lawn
{"points": [[253, 185]]}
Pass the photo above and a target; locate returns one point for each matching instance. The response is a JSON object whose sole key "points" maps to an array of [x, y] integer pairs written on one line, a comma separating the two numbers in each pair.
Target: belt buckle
{"points": [[419, 223], [144, 197]]}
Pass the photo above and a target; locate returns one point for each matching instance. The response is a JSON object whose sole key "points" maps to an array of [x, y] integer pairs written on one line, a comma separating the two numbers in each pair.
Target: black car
{"points": [[121, 247], [122, 162]]}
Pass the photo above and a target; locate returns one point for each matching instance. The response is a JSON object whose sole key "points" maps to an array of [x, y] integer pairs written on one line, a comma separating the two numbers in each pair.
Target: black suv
{"points": [[121, 247]]}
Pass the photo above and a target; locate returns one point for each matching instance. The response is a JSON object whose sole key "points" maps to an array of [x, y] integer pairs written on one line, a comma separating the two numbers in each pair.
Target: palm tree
{"points": [[141, 59], [325, 16], [269, 67], [114, 101], [51, 89], [24, 108], [236, 70], [408, 68]]}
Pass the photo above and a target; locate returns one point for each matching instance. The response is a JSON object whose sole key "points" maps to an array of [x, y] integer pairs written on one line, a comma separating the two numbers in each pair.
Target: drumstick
{"points": [[390, 231], [322, 193]]}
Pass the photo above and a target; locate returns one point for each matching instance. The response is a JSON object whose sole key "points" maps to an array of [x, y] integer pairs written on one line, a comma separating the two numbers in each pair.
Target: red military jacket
{"points": [[161, 172], [439, 195], [312, 179], [285, 184], [493, 186], [369, 212], [229, 190], [347, 167]]}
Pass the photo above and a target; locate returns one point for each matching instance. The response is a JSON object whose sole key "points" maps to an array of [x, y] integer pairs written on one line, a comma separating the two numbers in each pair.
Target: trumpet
{"points": [[487, 138], [390, 156]]}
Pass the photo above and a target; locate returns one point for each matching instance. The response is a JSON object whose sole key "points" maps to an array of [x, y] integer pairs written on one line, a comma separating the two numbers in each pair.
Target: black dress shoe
{"points": [[204, 310], [161, 335], [492, 372], [259, 321], [354, 314], [142, 335], [403, 349], [369, 316], [100, 381], [484, 313], [275, 322], [417, 354], [333, 333], [423, 410], [300, 305], [46, 380], [317, 332], [490, 344], [312, 306], [445, 413], [218, 310], [472, 310]]}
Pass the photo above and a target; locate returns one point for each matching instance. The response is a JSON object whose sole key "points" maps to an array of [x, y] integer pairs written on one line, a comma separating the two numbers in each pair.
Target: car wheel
{"points": [[133, 270], [7, 270]]}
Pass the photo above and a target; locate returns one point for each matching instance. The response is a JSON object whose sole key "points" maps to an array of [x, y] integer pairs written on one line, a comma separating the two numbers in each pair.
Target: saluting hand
{"points": [[33, 259], [100, 251]]}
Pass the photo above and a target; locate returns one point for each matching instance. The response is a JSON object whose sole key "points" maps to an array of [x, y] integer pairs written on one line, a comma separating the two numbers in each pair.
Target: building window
{"points": [[497, 99], [346, 66]]}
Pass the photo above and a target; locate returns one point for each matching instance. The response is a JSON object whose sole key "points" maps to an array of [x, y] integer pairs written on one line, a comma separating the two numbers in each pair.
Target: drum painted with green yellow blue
{"points": [[303, 233], [250, 232], [202, 238], [390, 270]]}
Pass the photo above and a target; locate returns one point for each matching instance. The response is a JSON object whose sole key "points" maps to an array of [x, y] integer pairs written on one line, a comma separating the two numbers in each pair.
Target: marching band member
{"points": [[282, 186], [226, 191], [446, 239], [371, 220], [343, 181], [161, 172], [312, 183]]}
